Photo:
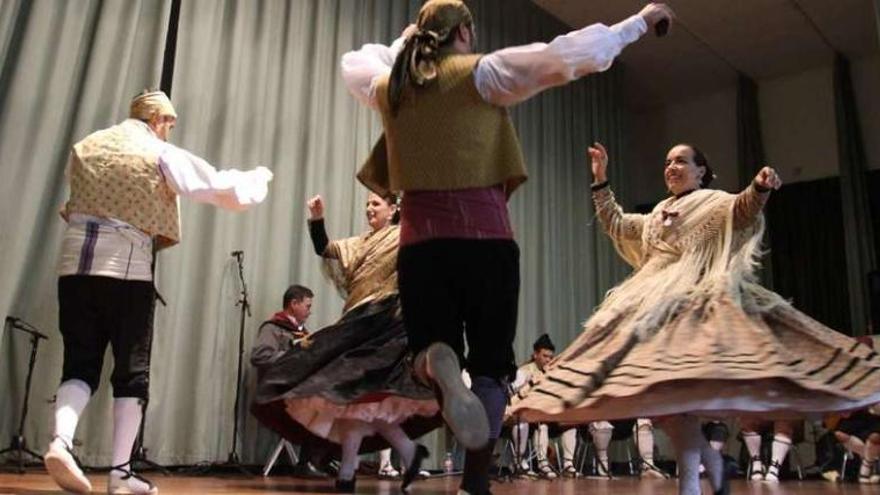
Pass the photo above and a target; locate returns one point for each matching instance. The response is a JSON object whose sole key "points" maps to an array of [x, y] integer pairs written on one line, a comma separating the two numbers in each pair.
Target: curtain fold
{"points": [[68, 68], [860, 253], [877, 18], [750, 152], [808, 221], [749, 144]]}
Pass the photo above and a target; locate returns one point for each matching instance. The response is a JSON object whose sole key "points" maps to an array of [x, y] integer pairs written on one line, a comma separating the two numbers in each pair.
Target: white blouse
{"points": [[510, 75]]}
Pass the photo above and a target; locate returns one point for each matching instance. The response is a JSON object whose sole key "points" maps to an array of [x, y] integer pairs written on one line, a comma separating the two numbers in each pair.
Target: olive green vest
{"points": [[445, 136]]}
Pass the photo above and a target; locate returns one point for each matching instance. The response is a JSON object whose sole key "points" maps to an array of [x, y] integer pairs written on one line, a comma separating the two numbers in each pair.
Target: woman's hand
{"points": [[768, 179], [316, 208], [599, 159]]}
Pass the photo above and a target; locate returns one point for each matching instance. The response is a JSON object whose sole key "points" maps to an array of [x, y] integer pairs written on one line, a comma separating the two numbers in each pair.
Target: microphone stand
{"points": [[18, 443], [233, 460]]}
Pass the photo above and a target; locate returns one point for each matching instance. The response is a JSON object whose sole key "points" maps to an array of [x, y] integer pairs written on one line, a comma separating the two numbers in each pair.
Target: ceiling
{"points": [[712, 40]]}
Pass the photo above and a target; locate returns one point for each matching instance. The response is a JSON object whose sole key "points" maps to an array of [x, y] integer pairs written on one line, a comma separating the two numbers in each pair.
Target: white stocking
{"points": [[687, 438], [398, 439], [541, 439], [70, 400], [569, 445], [127, 413], [353, 433]]}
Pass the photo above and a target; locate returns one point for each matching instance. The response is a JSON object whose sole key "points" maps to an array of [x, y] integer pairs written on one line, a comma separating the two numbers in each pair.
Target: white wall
{"points": [[797, 125], [706, 121], [866, 80]]}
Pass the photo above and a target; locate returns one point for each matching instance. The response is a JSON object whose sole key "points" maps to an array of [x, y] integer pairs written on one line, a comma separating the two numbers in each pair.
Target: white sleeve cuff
{"points": [[631, 28]]}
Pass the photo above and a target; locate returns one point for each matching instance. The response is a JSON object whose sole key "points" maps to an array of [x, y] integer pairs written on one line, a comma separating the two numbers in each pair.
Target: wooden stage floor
{"points": [[37, 482]]}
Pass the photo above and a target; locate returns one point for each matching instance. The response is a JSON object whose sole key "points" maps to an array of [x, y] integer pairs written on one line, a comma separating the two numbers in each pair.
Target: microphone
{"points": [[237, 253]]}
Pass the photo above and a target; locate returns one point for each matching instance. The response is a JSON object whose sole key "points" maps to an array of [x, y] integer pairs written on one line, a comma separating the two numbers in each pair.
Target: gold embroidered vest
{"points": [[115, 173], [445, 137]]}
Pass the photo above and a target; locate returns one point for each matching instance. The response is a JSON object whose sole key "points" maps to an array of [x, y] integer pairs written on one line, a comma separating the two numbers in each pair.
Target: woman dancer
{"points": [[691, 331], [350, 383]]}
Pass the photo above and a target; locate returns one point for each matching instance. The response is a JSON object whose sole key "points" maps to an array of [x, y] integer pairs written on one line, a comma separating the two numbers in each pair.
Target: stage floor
{"points": [[38, 483]]}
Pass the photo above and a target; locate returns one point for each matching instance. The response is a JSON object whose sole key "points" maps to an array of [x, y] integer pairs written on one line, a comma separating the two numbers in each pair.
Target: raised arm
{"points": [[751, 201], [363, 67], [511, 75], [617, 224], [316, 228], [194, 178]]}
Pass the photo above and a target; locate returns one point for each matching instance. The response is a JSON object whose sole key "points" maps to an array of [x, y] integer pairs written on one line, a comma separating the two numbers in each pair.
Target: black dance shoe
{"points": [[412, 471], [345, 486]]}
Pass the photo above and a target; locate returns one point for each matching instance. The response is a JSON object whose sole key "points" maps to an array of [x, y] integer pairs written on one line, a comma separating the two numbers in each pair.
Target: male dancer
{"points": [[542, 353], [450, 146], [123, 207]]}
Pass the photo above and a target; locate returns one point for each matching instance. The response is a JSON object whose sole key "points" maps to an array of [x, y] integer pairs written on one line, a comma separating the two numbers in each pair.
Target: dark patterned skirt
{"points": [[356, 369]]}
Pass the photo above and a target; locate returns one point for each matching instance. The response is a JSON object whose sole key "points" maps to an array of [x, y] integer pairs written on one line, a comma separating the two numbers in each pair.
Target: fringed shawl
{"points": [[699, 255], [364, 268]]}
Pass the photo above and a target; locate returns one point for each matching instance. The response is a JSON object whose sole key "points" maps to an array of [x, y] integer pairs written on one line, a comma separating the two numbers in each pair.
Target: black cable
{"points": [[170, 49]]}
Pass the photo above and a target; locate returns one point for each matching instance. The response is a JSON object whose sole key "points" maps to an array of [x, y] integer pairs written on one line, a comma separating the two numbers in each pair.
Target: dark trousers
{"points": [[457, 289], [97, 311]]}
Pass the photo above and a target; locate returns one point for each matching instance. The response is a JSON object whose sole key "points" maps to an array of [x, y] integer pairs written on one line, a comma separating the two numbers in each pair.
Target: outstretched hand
{"points": [[768, 179], [653, 13], [599, 162], [316, 208], [265, 174]]}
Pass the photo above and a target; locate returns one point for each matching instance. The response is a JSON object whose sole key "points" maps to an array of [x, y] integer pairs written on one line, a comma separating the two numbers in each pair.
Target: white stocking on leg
{"points": [[645, 440], [398, 439], [779, 450], [70, 400], [127, 414], [351, 443], [385, 460], [714, 463], [644, 435], [541, 440], [569, 445], [753, 445], [601, 432], [686, 437], [520, 435]]}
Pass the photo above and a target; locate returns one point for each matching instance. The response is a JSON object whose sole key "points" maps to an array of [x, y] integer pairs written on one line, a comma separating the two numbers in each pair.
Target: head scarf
{"points": [[150, 103], [417, 61]]}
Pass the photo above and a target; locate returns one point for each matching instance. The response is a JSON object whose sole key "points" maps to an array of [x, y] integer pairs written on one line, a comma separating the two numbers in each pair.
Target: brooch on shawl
{"points": [[668, 216]]}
